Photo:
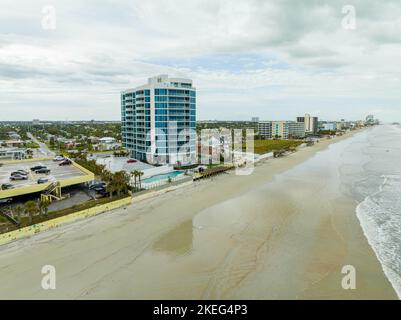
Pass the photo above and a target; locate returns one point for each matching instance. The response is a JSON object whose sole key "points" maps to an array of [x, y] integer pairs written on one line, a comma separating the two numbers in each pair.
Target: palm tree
{"points": [[44, 206], [17, 212], [134, 174], [31, 208], [111, 188], [105, 174], [121, 180], [140, 174]]}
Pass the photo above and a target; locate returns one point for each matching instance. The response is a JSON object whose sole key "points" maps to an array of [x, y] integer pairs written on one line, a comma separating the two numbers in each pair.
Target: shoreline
{"points": [[387, 272], [229, 253]]}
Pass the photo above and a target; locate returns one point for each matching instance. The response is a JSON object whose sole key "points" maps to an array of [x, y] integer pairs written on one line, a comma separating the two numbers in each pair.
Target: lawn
{"points": [[31, 145], [265, 146]]}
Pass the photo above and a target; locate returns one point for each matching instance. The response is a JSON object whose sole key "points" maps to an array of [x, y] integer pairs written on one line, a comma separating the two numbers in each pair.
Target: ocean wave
{"points": [[380, 218]]}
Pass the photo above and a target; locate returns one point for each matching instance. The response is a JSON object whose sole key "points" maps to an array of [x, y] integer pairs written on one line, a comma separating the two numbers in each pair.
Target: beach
{"points": [[283, 232]]}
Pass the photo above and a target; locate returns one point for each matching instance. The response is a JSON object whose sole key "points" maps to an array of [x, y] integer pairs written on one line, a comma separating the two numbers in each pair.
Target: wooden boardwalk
{"points": [[212, 172]]}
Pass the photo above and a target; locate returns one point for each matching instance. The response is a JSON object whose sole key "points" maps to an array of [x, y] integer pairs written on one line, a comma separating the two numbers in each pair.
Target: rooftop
{"points": [[164, 81], [66, 175]]}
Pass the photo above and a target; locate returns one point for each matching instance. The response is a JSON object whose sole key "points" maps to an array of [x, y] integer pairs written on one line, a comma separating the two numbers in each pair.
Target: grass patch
{"points": [[266, 146], [31, 145]]}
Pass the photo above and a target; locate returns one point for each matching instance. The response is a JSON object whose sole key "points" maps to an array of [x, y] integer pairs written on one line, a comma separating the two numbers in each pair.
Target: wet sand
{"points": [[237, 237]]}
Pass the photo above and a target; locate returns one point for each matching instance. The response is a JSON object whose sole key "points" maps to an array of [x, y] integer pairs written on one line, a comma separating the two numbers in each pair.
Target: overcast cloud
{"points": [[272, 59]]}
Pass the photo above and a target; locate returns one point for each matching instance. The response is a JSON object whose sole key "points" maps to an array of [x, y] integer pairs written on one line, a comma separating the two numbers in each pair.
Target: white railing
{"points": [[147, 173], [160, 183]]}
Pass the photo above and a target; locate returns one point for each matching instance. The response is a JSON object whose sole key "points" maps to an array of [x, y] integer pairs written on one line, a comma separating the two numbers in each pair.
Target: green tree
{"points": [[140, 174], [44, 206], [31, 208], [135, 174], [121, 180], [111, 188], [18, 212]]}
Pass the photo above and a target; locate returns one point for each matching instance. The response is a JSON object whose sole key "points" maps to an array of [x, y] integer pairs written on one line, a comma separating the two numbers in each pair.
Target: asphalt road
{"points": [[43, 147]]}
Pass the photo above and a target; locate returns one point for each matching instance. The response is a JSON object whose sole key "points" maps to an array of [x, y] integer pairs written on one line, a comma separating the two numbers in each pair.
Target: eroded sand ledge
{"points": [[233, 237]]}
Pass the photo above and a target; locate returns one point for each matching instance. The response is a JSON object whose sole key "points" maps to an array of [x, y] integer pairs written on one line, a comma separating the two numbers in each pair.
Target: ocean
{"points": [[370, 171]]}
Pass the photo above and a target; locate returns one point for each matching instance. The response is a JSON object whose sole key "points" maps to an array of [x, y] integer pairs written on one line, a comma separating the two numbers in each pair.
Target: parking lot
{"points": [[114, 164], [57, 173]]}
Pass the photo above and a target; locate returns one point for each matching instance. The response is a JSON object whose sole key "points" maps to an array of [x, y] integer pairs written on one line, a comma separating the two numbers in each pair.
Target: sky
{"points": [[69, 60]]}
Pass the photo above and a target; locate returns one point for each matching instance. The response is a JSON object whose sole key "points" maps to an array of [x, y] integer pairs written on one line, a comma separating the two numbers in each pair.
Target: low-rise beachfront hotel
{"points": [[281, 129], [159, 121]]}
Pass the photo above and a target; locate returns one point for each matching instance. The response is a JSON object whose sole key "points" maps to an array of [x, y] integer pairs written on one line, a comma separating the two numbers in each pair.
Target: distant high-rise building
{"points": [[311, 123], [159, 121], [265, 129], [255, 119], [296, 130], [329, 126]]}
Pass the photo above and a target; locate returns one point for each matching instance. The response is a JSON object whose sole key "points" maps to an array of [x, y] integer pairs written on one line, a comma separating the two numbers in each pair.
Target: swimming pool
{"points": [[162, 177]]}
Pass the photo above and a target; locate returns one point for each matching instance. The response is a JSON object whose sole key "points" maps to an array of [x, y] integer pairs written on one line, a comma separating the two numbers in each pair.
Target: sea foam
{"points": [[380, 218]]}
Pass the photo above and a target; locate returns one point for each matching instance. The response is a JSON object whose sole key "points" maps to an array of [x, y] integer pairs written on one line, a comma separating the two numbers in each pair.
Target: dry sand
{"points": [[236, 237]]}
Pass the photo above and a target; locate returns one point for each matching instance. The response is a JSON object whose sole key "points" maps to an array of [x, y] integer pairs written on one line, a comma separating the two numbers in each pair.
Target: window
{"points": [[161, 118], [160, 98], [161, 111], [161, 124], [160, 91]]}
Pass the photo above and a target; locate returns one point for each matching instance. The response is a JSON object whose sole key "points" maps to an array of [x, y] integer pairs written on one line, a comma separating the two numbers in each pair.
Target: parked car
{"points": [[103, 193], [18, 177], [43, 170], [23, 172], [7, 186], [65, 162], [18, 173], [6, 201], [100, 189], [42, 180], [37, 167], [97, 185], [58, 158], [131, 161]]}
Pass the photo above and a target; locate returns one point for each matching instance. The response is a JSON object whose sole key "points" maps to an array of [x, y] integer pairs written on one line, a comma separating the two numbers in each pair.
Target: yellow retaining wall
{"points": [[54, 223]]}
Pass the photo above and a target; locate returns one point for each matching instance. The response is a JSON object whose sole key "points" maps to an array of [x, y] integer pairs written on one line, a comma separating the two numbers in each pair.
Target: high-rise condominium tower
{"points": [[311, 123], [159, 121]]}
